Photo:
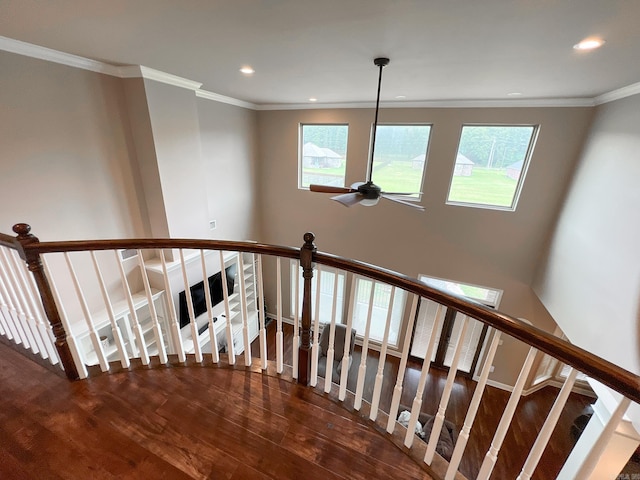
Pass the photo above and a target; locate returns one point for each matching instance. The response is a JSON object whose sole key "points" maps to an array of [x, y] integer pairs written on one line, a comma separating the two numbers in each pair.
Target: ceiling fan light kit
{"points": [[367, 193]]}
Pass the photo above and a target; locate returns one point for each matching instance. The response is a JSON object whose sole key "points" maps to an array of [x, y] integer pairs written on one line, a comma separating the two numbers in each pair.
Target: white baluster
{"points": [[444, 399], [417, 400], [16, 308], [328, 371], [397, 390], [313, 381], [231, 353], [492, 455], [296, 320], [192, 316], [157, 330], [365, 348], [263, 321], [279, 333], [547, 429], [591, 461], [10, 313], [115, 328], [42, 324], [245, 312], [174, 327], [71, 339], [141, 348], [377, 388], [461, 444], [93, 333], [213, 338], [19, 267], [344, 373]]}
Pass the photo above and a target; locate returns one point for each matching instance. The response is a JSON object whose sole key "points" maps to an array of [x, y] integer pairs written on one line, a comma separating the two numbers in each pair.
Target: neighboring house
{"points": [[319, 157], [513, 171], [464, 166]]}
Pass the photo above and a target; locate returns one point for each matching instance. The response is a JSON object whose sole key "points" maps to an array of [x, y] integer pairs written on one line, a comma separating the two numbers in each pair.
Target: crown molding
{"points": [[140, 71], [629, 90], [216, 97], [498, 103], [55, 56]]}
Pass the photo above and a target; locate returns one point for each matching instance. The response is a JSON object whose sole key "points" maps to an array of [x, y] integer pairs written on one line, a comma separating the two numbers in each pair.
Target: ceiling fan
{"points": [[367, 193]]}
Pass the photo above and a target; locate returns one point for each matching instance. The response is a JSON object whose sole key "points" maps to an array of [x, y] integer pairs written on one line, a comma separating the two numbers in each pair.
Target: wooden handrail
{"points": [[619, 379]]}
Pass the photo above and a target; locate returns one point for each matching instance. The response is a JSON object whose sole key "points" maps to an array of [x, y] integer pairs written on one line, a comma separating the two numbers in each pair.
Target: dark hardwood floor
{"points": [[222, 422], [177, 422], [530, 415]]}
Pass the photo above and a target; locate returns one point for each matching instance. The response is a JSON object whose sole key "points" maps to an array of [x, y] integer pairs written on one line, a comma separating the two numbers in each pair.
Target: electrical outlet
{"points": [[500, 342], [492, 368], [212, 224]]}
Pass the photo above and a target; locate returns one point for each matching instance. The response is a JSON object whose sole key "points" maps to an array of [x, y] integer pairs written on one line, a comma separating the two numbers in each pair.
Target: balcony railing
{"points": [[79, 304]]}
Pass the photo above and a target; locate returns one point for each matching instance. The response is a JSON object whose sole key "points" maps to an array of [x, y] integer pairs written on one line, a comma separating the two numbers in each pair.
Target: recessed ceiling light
{"points": [[401, 97], [589, 44], [247, 70], [514, 94], [313, 99]]}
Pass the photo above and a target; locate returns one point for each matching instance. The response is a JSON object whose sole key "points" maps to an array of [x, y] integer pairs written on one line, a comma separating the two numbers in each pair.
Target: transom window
{"points": [[491, 164], [323, 155], [400, 158], [378, 296]]}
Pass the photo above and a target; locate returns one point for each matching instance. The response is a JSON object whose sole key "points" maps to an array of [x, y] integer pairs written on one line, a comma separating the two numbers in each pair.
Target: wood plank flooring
{"points": [[177, 422], [220, 422], [528, 419]]}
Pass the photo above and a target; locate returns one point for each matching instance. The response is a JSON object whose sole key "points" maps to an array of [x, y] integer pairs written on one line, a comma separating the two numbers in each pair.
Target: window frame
{"points": [[525, 167], [426, 154], [301, 126]]}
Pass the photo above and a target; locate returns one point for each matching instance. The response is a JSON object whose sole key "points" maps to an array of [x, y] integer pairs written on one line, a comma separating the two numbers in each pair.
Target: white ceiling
{"points": [[439, 49]]}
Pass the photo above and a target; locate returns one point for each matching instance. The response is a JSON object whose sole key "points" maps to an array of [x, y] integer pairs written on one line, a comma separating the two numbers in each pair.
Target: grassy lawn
{"points": [[397, 177], [484, 186]]}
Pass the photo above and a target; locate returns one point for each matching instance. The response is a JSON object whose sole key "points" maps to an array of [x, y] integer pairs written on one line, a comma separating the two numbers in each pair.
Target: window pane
{"points": [[327, 279], [400, 158], [488, 296], [490, 165], [381, 303], [323, 155]]}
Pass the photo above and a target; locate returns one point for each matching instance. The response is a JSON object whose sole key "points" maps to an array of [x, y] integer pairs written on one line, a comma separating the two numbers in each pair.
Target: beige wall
{"points": [[66, 152], [228, 137], [478, 246], [590, 280]]}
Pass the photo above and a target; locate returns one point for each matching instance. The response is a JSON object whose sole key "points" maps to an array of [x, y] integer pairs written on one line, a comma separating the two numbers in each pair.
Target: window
{"points": [[400, 158], [323, 155], [490, 165], [381, 302], [327, 279]]}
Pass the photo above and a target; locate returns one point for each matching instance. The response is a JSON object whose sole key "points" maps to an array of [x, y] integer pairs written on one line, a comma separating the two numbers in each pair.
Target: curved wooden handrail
{"points": [[619, 379]]}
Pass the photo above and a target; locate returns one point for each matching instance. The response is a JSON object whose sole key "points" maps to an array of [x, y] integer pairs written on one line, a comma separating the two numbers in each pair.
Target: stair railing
{"points": [[22, 318]]}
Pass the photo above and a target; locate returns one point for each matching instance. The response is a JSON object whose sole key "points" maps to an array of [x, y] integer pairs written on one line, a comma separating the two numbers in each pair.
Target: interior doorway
{"points": [[450, 326]]}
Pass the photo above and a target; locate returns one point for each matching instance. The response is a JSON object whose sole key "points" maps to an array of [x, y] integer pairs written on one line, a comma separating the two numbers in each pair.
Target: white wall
{"points": [[590, 279]]}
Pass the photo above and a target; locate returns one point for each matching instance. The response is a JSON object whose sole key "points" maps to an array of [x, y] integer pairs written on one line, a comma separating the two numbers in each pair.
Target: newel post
{"points": [[35, 266], [304, 350]]}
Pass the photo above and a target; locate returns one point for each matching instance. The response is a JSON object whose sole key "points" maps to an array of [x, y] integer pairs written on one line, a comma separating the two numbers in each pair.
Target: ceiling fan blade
{"points": [[329, 189], [408, 204], [356, 185], [348, 199]]}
